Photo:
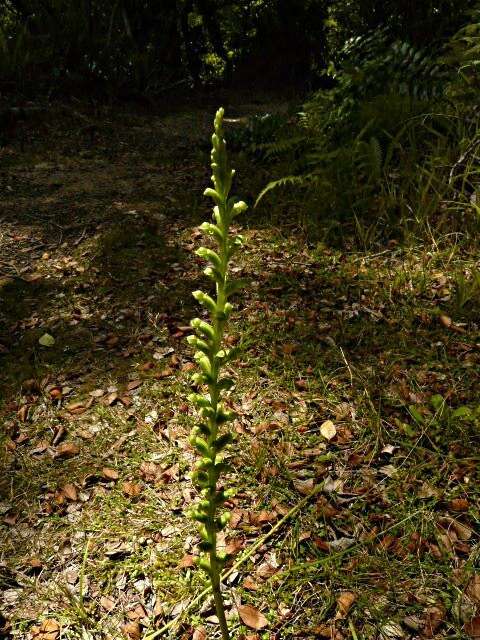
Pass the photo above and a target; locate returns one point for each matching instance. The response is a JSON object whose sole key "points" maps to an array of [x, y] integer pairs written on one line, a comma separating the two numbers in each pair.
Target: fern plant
{"points": [[209, 437]]}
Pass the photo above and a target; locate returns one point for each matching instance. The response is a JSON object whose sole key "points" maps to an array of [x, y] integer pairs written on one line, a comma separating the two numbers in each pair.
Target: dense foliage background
{"points": [[130, 46]]}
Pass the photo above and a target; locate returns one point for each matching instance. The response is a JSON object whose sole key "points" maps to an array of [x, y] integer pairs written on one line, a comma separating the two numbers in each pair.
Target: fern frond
{"points": [[280, 147], [293, 181]]}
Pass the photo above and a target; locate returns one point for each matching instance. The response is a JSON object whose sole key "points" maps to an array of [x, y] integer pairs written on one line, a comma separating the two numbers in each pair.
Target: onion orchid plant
{"points": [[210, 436]]}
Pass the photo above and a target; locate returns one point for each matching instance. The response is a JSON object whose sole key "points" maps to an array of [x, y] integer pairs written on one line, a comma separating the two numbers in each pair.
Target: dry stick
{"points": [[239, 562]]}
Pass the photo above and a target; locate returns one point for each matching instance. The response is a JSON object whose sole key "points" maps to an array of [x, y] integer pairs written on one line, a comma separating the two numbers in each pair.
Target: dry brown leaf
{"points": [[48, 630], [110, 474], [132, 489], [344, 603], [70, 492], [132, 630], [325, 509], [97, 393], [107, 603], [199, 634], [472, 628], [463, 532], [35, 563], [262, 517], [250, 584], [186, 562], [75, 407], [305, 487], [67, 450], [126, 401], [266, 570], [473, 588], [326, 630], [234, 546], [266, 426], [434, 617], [149, 471], [252, 617], [111, 398], [459, 504], [289, 348], [164, 373], [137, 613], [134, 384]]}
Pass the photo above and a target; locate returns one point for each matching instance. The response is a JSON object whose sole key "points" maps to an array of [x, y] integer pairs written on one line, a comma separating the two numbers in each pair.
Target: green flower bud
{"points": [[239, 207]]}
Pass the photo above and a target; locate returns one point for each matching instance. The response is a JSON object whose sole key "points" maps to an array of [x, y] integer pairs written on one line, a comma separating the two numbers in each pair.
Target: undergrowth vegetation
{"points": [[390, 152]]}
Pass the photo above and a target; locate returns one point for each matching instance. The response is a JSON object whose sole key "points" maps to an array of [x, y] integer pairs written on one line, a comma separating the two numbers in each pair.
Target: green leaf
{"points": [[46, 340], [437, 401], [416, 415]]}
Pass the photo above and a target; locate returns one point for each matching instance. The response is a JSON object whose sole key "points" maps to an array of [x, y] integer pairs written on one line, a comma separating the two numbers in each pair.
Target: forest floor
{"points": [[356, 393]]}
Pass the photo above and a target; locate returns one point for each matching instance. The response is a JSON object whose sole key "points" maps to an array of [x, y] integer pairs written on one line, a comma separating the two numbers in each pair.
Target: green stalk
{"points": [[211, 357]]}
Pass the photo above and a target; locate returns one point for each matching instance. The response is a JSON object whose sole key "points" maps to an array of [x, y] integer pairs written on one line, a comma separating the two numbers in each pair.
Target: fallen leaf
{"points": [[149, 471], [199, 634], [305, 487], [70, 492], [344, 603], [55, 393], [22, 413], [35, 563], [48, 630], [132, 630], [473, 588], [97, 393], [250, 584], [266, 570], [164, 373], [326, 630], [107, 603], [459, 504], [266, 426], [446, 321], [111, 398], [137, 613], [186, 562], [46, 340], [328, 430], [75, 407], [134, 384], [391, 629], [132, 489], [67, 450], [434, 617], [472, 628], [252, 617], [110, 474], [325, 509]]}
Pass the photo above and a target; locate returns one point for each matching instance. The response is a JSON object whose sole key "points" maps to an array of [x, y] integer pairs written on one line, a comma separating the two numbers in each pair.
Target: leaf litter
{"points": [[96, 444]]}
